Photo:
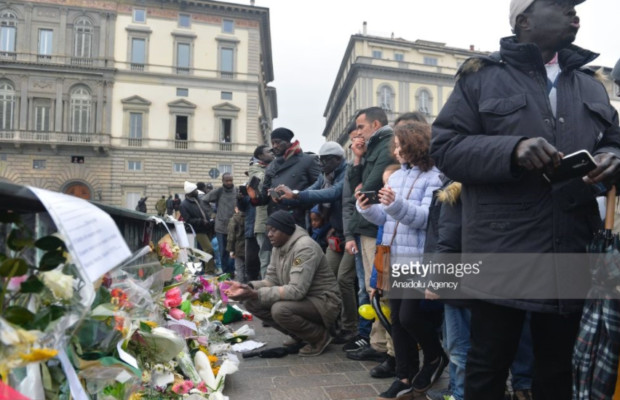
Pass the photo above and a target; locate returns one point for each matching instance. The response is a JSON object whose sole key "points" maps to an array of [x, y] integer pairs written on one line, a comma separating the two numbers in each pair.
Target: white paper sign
{"points": [[90, 234], [181, 235], [128, 358]]}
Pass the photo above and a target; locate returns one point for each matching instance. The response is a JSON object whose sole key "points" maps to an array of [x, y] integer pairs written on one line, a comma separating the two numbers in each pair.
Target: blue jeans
{"points": [[522, 368], [456, 341], [364, 325], [228, 264]]}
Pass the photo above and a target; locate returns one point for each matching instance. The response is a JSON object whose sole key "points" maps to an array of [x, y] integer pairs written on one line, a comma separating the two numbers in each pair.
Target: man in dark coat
{"points": [[194, 213], [511, 117], [293, 168], [225, 199], [370, 145]]}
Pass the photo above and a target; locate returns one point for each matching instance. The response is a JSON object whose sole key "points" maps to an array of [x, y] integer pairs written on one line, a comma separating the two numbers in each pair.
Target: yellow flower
{"points": [[135, 396], [152, 324], [212, 359], [38, 355]]}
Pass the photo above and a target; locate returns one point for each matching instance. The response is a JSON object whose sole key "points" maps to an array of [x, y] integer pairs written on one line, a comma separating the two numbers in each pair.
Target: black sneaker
{"points": [[429, 374], [358, 342], [397, 391], [366, 354], [387, 369], [344, 337]]}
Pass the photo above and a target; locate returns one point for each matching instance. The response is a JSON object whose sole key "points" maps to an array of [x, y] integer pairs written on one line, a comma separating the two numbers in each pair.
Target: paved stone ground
{"points": [[330, 376]]}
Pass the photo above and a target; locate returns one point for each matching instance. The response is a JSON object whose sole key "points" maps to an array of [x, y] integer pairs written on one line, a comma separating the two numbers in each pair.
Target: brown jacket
{"points": [[298, 270]]}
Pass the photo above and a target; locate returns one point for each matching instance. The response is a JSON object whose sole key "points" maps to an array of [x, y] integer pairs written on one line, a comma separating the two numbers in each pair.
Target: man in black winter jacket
{"points": [[511, 117], [197, 215]]}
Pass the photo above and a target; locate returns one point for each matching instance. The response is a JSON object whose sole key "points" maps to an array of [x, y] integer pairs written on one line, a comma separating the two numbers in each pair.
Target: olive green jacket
{"points": [[298, 270]]}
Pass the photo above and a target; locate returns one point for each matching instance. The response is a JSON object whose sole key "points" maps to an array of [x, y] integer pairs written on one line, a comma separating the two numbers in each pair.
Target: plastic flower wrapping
{"points": [[153, 327]]}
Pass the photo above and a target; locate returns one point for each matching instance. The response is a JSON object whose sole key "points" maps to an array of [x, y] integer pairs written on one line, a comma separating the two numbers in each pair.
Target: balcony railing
{"points": [[181, 145], [83, 62], [67, 138]]}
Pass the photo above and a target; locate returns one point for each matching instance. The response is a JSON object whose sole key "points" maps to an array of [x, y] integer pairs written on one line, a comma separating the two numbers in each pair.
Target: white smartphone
{"points": [[574, 165]]}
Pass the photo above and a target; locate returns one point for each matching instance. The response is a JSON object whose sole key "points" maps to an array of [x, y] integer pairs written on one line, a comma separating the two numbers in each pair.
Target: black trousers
{"points": [[495, 334], [252, 262], [411, 324]]}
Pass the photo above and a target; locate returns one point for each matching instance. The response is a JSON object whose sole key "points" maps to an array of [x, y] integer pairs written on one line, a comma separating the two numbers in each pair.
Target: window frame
{"points": [[134, 165], [181, 169], [45, 43], [386, 90], [228, 25], [224, 95], [76, 106], [182, 95], [189, 20], [39, 164], [134, 13], [377, 54], [8, 23], [48, 123], [431, 61], [8, 97], [83, 32]]}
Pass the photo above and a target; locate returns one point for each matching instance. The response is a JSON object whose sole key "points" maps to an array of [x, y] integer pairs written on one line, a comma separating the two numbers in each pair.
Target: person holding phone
{"points": [[403, 211], [511, 117]]}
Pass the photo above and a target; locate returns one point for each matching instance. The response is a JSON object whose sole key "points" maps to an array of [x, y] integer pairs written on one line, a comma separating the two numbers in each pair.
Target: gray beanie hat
{"points": [[331, 149]]}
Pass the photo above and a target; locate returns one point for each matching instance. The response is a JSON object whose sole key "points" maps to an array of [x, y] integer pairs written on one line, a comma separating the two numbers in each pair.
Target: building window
{"points": [[228, 26], [226, 95], [139, 15], [180, 168], [399, 57], [7, 105], [138, 54], [83, 38], [385, 98], [226, 134], [227, 66], [181, 128], [182, 92], [135, 128], [81, 104], [38, 164], [184, 20], [225, 168], [377, 54], [424, 102], [134, 165], [183, 58], [42, 115], [8, 23], [430, 61], [46, 37]]}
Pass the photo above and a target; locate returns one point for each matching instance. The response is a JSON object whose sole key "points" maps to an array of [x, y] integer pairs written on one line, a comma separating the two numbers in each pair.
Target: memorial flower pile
{"points": [[151, 328]]}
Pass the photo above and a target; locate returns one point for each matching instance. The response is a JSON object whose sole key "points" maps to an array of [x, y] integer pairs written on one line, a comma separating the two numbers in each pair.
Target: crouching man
{"points": [[299, 295]]}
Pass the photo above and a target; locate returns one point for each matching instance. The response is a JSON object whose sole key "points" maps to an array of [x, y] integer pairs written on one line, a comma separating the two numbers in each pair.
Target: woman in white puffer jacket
{"points": [[403, 212]]}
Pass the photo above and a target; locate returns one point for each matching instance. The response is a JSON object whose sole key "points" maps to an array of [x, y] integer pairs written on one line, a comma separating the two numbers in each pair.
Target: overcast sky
{"points": [[309, 38]]}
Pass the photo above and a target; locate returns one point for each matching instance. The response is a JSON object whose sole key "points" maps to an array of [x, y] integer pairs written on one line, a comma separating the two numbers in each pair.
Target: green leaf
{"points": [[145, 327], [13, 267], [51, 260], [45, 316], [16, 240], [49, 243], [186, 307], [18, 316], [31, 285], [8, 218]]}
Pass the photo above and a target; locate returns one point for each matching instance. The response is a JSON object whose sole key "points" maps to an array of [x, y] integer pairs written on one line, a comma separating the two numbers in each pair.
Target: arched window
{"points": [[385, 98], [81, 104], [425, 104], [8, 30], [7, 105], [83, 38]]}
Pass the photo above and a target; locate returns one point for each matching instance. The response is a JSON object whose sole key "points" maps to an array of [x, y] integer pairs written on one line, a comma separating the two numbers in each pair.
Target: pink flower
{"points": [[202, 387], [16, 282], [206, 285], [176, 313], [165, 250], [223, 287], [173, 298], [202, 340], [182, 387], [178, 278]]}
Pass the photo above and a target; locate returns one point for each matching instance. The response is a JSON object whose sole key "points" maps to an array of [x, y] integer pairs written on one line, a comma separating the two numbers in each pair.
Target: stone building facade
{"points": [[113, 101]]}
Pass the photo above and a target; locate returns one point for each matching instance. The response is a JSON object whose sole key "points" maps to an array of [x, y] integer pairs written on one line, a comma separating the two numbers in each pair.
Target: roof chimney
{"points": [[471, 47], [364, 30]]}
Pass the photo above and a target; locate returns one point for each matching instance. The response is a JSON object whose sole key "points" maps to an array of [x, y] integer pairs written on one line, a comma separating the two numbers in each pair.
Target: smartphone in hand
{"points": [[372, 196], [574, 165], [243, 190]]}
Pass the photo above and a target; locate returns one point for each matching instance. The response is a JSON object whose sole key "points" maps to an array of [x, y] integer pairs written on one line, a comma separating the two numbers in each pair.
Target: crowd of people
{"points": [[300, 237]]}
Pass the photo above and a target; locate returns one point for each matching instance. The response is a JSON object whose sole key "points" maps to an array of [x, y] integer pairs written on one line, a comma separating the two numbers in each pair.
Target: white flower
{"points": [[60, 284]]}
